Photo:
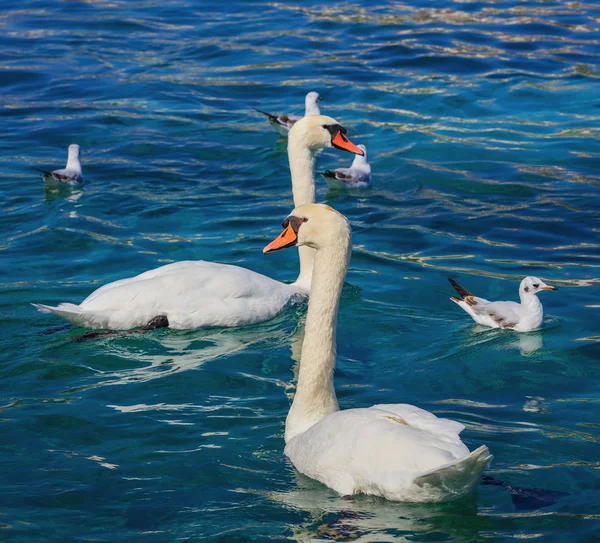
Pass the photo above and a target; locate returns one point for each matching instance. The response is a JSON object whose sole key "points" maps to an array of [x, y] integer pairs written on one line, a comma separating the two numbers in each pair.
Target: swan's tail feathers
{"points": [[463, 292], [458, 479], [64, 310], [272, 118], [75, 314]]}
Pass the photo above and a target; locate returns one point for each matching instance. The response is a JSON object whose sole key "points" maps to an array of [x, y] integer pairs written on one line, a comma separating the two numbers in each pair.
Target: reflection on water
{"points": [[183, 351], [530, 342], [365, 518]]}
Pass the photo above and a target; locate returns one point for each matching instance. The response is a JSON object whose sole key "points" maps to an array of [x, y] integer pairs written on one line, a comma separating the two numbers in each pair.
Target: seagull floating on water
{"points": [[283, 123], [523, 317], [357, 175], [71, 173]]}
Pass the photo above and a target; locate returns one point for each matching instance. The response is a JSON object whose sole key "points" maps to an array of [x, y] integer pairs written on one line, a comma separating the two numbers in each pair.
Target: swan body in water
{"points": [[396, 451], [193, 294]]}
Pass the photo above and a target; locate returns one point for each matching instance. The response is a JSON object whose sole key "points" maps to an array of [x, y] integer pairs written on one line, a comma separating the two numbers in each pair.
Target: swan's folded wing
{"points": [[375, 451], [424, 420], [191, 294]]}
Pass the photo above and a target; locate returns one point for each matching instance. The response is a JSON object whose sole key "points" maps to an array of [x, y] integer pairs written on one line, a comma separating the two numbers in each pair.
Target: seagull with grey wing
{"points": [[358, 175], [523, 317], [283, 123], [70, 174]]}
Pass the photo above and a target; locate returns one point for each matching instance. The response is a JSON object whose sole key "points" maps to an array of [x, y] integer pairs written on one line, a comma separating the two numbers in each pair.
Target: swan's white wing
{"points": [[382, 451], [191, 294], [419, 418]]}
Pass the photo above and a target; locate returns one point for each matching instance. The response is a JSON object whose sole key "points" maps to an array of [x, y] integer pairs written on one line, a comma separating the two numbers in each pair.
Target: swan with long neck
{"points": [[395, 451], [193, 294]]}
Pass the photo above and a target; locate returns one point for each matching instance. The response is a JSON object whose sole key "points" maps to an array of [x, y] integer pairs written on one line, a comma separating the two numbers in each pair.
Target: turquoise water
{"points": [[482, 122]]}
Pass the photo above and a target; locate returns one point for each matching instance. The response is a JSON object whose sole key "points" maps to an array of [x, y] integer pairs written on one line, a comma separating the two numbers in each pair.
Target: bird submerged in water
{"points": [[521, 317], [71, 174], [283, 123]]}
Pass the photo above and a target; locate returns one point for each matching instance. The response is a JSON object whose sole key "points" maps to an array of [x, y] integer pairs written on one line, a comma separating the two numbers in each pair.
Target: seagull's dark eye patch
{"points": [[536, 285], [526, 289]]}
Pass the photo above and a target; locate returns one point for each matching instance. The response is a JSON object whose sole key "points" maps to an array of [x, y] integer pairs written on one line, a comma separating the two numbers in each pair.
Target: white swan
{"points": [[192, 294], [71, 173], [358, 175], [523, 317], [397, 451], [283, 123]]}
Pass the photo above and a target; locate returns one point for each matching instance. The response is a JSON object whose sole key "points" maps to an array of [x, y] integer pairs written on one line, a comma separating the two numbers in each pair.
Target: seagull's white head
{"points": [[311, 104], [532, 285], [73, 151], [358, 159]]}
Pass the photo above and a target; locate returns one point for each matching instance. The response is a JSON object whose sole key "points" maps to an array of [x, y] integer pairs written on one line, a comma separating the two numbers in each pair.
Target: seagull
{"points": [[523, 317], [357, 175], [283, 123], [71, 173]]}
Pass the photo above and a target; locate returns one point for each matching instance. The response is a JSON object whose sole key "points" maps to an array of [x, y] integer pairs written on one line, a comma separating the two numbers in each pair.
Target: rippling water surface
{"points": [[482, 120]]}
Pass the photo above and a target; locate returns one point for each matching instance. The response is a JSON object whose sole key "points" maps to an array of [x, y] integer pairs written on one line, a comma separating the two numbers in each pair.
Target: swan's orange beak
{"points": [[342, 142], [288, 238]]}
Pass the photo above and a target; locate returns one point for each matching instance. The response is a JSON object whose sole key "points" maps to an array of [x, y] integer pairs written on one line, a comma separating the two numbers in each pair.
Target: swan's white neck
{"points": [[302, 168], [315, 394]]}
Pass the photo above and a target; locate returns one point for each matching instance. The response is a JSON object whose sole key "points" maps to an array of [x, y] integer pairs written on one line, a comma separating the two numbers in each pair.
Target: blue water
{"points": [[482, 121]]}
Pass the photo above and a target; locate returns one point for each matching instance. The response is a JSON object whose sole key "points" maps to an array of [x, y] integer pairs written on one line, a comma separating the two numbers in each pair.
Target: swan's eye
{"points": [[536, 285], [334, 129], [294, 222]]}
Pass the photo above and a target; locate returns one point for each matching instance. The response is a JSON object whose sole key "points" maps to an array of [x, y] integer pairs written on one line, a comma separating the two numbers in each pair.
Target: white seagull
{"points": [[283, 123], [357, 175], [71, 173], [397, 451], [523, 317]]}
